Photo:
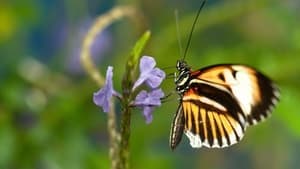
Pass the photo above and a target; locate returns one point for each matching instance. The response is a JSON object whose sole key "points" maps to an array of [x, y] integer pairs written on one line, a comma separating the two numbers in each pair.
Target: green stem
{"points": [[125, 118], [125, 134], [128, 94]]}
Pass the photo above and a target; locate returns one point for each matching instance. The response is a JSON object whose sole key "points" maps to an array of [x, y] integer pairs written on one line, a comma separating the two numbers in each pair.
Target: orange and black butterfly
{"points": [[219, 102]]}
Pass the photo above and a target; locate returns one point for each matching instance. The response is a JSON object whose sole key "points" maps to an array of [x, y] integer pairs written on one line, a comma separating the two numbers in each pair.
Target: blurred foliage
{"points": [[48, 120]]}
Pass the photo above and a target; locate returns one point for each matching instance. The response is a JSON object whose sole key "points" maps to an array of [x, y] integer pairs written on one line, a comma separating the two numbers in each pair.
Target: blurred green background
{"points": [[48, 119]]}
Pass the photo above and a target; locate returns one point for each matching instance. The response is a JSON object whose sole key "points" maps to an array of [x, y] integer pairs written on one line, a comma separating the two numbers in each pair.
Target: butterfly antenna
{"points": [[192, 30], [177, 31]]}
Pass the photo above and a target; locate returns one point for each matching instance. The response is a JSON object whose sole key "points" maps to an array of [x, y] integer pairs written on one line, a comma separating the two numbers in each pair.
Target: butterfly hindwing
{"points": [[212, 118]]}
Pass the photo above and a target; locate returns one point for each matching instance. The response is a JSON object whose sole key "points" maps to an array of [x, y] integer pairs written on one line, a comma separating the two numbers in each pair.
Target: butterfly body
{"points": [[219, 102]]}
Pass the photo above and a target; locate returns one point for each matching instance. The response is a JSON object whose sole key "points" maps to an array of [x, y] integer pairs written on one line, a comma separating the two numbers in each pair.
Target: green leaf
{"points": [[132, 64], [137, 49]]}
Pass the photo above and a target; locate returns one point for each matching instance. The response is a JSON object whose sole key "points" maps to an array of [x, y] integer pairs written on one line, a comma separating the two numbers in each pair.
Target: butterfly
{"points": [[218, 103]]}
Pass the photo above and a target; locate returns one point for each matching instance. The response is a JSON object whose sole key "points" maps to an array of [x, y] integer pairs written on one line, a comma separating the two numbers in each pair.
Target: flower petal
{"points": [[147, 63], [156, 96], [140, 80], [156, 78], [149, 99], [141, 98], [102, 97], [108, 80], [147, 112]]}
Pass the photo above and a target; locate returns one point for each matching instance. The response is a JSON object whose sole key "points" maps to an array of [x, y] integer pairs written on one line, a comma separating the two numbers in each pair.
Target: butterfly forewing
{"points": [[255, 93]]}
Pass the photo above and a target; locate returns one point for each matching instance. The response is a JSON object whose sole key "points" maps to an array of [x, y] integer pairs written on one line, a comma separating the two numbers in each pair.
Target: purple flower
{"points": [[149, 74], [103, 96], [147, 101]]}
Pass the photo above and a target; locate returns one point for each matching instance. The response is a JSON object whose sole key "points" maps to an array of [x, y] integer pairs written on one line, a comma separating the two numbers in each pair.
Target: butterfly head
{"points": [[183, 76], [182, 66]]}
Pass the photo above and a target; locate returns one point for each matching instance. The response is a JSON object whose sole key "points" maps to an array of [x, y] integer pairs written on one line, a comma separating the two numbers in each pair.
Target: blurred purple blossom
{"points": [[101, 45], [149, 74], [147, 101], [102, 97]]}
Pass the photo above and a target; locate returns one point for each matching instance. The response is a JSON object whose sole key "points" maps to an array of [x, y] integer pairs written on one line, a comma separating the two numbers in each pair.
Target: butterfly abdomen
{"points": [[177, 128]]}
